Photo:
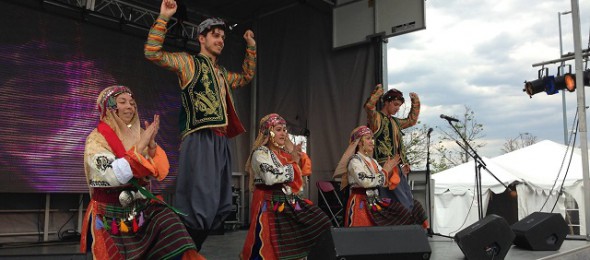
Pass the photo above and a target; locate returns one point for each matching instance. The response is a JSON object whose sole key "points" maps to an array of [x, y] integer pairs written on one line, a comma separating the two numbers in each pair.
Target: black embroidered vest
{"points": [[385, 139], [201, 101]]}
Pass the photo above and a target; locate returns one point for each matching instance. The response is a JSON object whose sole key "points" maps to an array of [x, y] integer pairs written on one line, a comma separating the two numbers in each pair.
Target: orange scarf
{"points": [[393, 178], [285, 159]]}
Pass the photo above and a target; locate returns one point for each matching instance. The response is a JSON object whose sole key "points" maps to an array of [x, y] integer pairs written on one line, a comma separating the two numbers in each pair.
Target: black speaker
{"points": [[540, 231], [372, 243], [489, 238]]}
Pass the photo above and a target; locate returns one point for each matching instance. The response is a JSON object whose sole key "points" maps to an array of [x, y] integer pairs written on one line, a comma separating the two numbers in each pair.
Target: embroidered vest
{"points": [[202, 105], [386, 144]]}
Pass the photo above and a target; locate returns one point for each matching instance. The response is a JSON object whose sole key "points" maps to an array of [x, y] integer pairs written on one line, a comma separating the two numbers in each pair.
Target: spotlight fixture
{"points": [[543, 83], [585, 78], [565, 81], [553, 84]]}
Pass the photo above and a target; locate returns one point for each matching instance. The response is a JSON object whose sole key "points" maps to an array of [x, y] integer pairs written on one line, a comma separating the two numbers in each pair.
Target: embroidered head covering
{"points": [[107, 107], [108, 98], [393, 94], [106, 104], [342, 167], [206, 25], [265, 127], [271, 121], [359, 132]]}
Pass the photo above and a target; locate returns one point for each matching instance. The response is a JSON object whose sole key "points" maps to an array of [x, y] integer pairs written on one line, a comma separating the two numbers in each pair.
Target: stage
{"points": [[229, 245]]}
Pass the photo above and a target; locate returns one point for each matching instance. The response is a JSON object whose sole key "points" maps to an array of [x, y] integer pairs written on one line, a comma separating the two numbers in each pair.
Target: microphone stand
{"points": [[479, 164], [428, 193]]}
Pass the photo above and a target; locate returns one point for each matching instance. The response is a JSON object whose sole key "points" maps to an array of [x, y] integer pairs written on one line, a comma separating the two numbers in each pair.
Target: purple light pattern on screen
{"points": [[51, 71], [49, 106]]}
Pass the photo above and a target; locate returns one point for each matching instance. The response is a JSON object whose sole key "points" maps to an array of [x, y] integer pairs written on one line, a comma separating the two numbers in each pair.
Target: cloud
{"points": [[478, 54]]}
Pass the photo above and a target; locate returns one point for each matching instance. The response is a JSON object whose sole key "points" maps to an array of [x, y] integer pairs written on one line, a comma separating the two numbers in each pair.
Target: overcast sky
{"points": [[478, 53]]}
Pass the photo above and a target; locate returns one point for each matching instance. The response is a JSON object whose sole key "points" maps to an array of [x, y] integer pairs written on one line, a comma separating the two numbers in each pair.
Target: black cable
{"points": [[60, 233], [466, 216], [568, 165], [571, 139]]}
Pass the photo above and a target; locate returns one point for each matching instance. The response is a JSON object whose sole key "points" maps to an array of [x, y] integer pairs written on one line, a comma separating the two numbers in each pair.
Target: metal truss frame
{"points": [[128, 13]]}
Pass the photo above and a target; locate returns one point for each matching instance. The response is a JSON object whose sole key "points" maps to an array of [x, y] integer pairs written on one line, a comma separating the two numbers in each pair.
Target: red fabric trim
{"points": [[138, 169], [116, 145], [112, 139], [234, 126], [285, 159]]}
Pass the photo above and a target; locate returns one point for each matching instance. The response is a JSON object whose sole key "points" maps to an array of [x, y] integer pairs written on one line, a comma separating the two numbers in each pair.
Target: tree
{"points": [[521, 141], [448, 153], [415, 143]]}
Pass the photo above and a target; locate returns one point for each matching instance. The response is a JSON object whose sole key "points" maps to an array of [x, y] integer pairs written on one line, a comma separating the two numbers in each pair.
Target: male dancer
{"points": [[207, 120], [389, 143]]}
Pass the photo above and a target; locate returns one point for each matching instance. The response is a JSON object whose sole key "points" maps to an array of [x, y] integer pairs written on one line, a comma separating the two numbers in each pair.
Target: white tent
{"points": [[535, 169], [542, 168], [455, 203]]}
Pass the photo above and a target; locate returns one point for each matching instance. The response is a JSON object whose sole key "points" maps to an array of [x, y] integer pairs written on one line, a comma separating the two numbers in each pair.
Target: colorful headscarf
{"points": [[342, 167], [106, 104], [108, 98], [358, 132], [266, 125], [270, 122]]}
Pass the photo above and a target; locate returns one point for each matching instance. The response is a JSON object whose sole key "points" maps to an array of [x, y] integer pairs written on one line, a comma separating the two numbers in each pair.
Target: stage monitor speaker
{"points": [[372, 243], [540, 231], [489, 238]]}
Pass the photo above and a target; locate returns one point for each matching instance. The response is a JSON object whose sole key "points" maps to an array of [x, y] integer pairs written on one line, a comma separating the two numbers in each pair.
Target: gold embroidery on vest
{"points": [[386, 145], [207, 102]]}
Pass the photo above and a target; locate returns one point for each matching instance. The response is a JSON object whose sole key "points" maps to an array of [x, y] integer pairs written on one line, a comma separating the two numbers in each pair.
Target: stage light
{"points": [[534, 87], [553, 84], [543, 83], [565, 81], [585, 78]]}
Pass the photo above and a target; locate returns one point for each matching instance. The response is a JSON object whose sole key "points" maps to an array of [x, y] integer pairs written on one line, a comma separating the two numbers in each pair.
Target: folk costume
{"points": [[124, 220], [283, 225], [388, 142], [207, 120], [364, 176]]}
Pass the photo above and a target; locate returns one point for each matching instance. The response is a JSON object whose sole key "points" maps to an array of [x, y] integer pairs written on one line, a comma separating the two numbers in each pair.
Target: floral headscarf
{"points": [[342, 167], [265, 127], [107, 105]]}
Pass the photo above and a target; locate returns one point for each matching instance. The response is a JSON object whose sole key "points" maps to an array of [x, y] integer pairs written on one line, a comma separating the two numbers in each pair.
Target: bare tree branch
{"points": [[449, 154], [521, 141]]}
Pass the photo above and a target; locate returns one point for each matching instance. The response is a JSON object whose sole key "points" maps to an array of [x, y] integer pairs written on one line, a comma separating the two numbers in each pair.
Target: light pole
{"points": [[581, 98], [581, 106], [565, 139]]}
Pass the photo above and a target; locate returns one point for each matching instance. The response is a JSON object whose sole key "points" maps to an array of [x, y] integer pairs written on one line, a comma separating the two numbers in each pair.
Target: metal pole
{"points": [[80, 213], [565, 141], [384, 59], [585, 53], [46, 217], [581, 96]]}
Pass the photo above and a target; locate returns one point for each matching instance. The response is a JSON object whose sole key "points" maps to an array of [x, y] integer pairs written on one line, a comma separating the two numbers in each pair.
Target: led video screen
{"points": [[51, 70]]}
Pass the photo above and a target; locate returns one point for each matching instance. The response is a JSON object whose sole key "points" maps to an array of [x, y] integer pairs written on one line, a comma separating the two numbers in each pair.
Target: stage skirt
{"points": [[281, 226], [362, 210], [154, 231]]}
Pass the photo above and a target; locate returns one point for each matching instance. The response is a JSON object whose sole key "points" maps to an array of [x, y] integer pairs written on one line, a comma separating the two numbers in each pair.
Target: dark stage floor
{"points": [[229, 245]]}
